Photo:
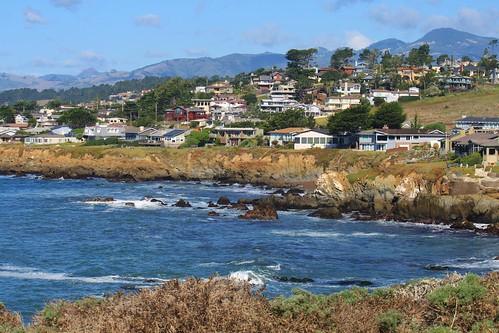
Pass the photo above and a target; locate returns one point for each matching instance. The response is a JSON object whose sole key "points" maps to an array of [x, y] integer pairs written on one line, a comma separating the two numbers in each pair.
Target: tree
{"points": [[6, 114], [341, 57], [77, 118], [289, 118], [493, 45], [197, 139], [369, 56], [420, 56], [351, 120], [54, 104], [441, 59], [436, 126], [466, 59], [488, 61], [378, 101], [300, 58], [389, 114], [250, 99]]}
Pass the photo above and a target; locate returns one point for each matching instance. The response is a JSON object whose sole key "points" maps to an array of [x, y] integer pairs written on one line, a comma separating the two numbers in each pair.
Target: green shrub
{"points": [[441, 329], [486, 326], [472, 159], [301, 302], [389, 321], [51, 313], [465, 292], [353, 295]]}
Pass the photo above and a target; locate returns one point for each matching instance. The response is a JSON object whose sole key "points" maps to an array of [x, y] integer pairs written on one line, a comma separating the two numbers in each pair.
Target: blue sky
{"points": [[67, 36]]}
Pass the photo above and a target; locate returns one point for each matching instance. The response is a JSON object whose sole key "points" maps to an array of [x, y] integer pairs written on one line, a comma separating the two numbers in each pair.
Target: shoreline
{"points": [[330, 181]]}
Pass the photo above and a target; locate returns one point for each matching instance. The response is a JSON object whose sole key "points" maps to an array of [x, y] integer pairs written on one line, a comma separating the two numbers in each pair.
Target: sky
{"points": [[67, 36]]}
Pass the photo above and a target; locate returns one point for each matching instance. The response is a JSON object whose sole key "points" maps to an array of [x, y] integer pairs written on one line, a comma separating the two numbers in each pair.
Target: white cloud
{"points": [[68, 4], [267, 35], [32, 16], [335, 5], [149, 20], [357, 40], [402, 17]]}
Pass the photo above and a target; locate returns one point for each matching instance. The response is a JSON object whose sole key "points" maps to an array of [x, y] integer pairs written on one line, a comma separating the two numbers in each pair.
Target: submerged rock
{"points": [[327, 213], [213, 213], [239, 206], [463, 225], [129, 204], [261, 212], [100, 199], [223, 201], [293, 279], [182, 203], [212, 205]]}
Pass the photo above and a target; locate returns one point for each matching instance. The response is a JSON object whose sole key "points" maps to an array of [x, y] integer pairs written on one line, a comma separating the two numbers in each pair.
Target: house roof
{"points": [[290, 130], [479, 119], [403, 131], [174, 133], [478, 139], [317, 130]]}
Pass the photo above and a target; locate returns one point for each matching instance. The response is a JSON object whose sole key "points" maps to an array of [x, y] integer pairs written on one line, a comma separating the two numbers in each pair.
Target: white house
{"points": [[285, 135], [348, 88], [314, 138], [20, 119], [338, 103], [384, 139], [278, 104], [49, 139]]}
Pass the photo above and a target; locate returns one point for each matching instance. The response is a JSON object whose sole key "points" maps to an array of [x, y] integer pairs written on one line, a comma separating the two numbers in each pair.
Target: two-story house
{"points": [[386, 139]]}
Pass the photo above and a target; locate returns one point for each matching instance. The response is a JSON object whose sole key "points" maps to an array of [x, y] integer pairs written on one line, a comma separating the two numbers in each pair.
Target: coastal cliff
{"points": [[377, 184]]}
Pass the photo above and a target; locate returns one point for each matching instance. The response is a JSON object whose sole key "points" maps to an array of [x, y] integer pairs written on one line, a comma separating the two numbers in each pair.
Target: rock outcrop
{"points": [[261, 212]]}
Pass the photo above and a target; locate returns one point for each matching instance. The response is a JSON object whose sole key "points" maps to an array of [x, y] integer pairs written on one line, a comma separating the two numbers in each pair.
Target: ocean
{"points": [[55, 245]]}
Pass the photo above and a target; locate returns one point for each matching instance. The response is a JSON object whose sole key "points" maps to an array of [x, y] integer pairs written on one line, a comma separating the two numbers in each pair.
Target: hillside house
{"points": [[314, 138], [285, 135], [340, 103], [386, 139], [487, 144], [49, 139], [478, 123], [180, 114], [234, 136], [348, 88]]}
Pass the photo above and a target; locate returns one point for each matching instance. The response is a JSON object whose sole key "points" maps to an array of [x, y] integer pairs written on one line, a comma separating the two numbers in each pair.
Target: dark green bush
{"points": [[465, 292], [389, 321]]}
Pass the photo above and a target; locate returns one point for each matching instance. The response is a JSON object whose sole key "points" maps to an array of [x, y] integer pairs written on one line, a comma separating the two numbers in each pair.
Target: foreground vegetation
{"points": [[456, 304]]}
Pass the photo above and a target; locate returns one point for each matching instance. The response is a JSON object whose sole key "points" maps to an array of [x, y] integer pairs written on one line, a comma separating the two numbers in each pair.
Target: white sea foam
{"points": [[328, 234], [473, 263], [274, 267], [248, 276], [137, 204], [242, 262], [27, 273]]}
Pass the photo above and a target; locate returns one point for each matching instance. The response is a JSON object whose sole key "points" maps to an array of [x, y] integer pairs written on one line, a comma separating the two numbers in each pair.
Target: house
{"points": [[220, 88], [20, 119], [456, 82], [314, 138], [234, 136], [386, 139], [285, 91], [202, 103], [339, 103], [411, 73], [49, 139], [162, 137], [348, 88], [113, 120], [185, 114], [486, 144], [9, 135], [285, 135], [104, 132], [62, 130], [392, 96], [278, 104], [481, 123]]}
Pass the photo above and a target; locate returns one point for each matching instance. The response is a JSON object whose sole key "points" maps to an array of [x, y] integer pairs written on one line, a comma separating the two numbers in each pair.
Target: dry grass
{"points": [[459, 304], [483, 101]]}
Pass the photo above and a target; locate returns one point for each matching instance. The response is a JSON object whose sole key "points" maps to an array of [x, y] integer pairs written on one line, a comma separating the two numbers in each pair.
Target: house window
{"points": [[316, 141], [416, 137], [391, 137], [323, 141], [297, 140], [335, 140], [304, 141], [408, 138], [382, 138], [492, 151], [310, 141]]}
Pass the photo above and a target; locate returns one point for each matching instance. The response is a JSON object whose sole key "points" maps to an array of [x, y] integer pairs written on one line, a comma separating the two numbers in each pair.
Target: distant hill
{"points": [[444, 40]]}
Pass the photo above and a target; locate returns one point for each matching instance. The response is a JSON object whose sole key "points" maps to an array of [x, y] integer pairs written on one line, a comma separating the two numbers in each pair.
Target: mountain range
{"points": [[442, 41]]}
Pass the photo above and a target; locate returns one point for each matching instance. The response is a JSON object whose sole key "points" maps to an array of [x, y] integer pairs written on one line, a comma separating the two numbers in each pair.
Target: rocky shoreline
{"points": [[376, 186]]}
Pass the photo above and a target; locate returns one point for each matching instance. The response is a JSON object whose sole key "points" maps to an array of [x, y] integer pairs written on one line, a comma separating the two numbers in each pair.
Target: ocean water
{"points": [[54, 245]]}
